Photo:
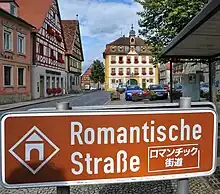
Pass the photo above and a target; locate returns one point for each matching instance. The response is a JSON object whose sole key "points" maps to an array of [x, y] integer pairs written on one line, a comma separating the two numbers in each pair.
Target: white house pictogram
{"points": [[34, 140], [32, 144]]}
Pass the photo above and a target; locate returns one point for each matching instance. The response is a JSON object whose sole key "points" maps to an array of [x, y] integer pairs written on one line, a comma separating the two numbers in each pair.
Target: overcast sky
{"points": [[101, 21]]}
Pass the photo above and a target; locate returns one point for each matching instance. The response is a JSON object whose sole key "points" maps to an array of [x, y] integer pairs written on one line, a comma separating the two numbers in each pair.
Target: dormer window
{"points": [[13, 10]]}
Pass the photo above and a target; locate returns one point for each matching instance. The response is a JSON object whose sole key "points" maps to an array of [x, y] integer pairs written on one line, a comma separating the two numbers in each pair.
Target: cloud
{"points": [[101, 21]]}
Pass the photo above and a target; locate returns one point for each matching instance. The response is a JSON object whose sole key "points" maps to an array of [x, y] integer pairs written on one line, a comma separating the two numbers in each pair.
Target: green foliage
{"points": [[162, 20], [98, 72]]}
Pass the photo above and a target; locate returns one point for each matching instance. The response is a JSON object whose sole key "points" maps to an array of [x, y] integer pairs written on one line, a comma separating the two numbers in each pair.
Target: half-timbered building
{"points": [[74, 54], [48, 66]]}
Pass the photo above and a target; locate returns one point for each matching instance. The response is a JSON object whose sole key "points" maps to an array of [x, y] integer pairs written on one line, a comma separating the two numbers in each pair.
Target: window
{"points": [[7, 40], [41, 49], [143, 70], [135, 70], [113, 70], [151, 80], [21, 78], [120, 58], [21, 44], [144, 59], [12, 9], [113, 81], [8, 76], [51, 52], [150, 69], [113, 59], [120, 70]]}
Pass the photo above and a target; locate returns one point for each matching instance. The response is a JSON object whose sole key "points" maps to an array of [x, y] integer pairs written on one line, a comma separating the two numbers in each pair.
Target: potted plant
{"points": [[50, 31], [115, 96]]}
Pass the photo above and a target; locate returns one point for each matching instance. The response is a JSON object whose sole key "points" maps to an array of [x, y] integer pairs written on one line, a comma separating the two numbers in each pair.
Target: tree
{"points": [[162, 20], [98, 72]]}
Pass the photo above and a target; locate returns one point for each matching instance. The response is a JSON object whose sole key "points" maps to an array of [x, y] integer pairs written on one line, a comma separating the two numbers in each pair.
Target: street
{"points": [[87, 99], [197, 185]]}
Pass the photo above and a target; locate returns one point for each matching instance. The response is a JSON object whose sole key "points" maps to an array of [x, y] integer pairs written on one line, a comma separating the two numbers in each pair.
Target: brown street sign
{"points": [[66, 148]]}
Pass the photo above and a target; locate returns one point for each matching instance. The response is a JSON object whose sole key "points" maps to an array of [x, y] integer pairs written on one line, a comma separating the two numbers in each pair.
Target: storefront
{"points": [[44, 79]]}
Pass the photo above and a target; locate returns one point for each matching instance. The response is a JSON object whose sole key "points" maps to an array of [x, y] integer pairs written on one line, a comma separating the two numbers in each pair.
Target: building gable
{"points": [[50, 36]]}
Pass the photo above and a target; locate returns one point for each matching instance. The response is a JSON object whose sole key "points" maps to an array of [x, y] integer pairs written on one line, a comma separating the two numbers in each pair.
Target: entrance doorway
{"points": [[132, 82], [41, 86]]}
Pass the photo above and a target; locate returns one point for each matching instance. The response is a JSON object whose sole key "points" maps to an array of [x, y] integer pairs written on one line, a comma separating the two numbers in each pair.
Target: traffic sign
{"points": [[67, 148]]}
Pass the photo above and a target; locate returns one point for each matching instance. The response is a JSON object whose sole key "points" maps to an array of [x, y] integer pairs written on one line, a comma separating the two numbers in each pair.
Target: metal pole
{"points": [[171, 81], [183, 184], [63, 106], [210, 80]]}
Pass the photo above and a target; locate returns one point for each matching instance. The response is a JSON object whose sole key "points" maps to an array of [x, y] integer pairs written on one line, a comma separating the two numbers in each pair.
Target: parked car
{"points": [[157, 92], [131, 90]]}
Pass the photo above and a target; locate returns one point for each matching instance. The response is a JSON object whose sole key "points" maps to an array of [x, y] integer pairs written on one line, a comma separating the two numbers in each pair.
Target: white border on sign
{"points": [[166, 170], [113, 180]]}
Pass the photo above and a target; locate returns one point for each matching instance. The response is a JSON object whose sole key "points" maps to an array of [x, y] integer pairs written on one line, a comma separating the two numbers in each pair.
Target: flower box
{"points": [[113, 73], [128, 61], [49, 91], [50, 31], [121, 62], [60, 60], [151, 73], [113, 62], [144, 73], [128, 73], [136, 61], [136, 73], [144, 62], [120, 73], [53, 57]]}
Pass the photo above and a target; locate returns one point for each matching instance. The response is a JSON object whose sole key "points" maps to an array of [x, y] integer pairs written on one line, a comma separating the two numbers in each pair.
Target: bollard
{"points": [[183, 184], [63, 106]]}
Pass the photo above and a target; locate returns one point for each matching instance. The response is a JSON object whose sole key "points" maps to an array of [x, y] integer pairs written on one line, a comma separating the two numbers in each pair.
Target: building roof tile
{"points": [[34, 11]]}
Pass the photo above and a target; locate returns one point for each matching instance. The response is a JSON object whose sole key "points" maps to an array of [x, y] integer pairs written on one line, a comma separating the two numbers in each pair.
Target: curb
{"points": [[40, 102]]}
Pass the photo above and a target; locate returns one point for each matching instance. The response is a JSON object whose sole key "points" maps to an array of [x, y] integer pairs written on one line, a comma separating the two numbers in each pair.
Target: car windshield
{"points": [[133, 88], [156, 87]]}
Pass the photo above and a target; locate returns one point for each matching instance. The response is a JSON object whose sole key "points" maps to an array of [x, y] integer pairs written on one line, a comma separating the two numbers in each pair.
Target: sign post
{"points": [[63, 148], [183, 184], [63, 106]]}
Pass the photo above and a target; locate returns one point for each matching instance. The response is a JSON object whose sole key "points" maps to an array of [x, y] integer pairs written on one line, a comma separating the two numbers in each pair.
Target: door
{"points": [[41, 86]]}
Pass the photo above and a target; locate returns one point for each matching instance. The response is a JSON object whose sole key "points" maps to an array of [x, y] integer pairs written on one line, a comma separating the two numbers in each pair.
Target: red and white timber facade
{"points": [[48, 70]]}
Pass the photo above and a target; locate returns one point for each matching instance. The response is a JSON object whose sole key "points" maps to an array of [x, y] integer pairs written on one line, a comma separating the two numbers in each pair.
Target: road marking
{"points": [[107, 101]]}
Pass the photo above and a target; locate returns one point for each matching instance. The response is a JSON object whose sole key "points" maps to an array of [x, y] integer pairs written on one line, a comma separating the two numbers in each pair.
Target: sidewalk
{"points": [[38, 101]]}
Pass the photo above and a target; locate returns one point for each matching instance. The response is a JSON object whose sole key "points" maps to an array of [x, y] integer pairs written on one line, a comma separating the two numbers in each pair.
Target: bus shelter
{"points": [[199, 41]]}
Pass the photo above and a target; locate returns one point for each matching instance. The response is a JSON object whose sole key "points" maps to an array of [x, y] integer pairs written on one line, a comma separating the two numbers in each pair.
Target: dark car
{"points": [[130, 90], [158, 92]]}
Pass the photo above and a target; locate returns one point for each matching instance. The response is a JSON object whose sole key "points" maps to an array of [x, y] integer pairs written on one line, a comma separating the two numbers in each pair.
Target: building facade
{"points": [[87, 82], [48, 63], [164, 73], [15, 55], [74, 54], [128, 61]]}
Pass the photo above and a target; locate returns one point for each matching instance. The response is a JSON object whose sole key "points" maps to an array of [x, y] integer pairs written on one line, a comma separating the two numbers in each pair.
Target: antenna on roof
{"points": [[77, 16]]}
